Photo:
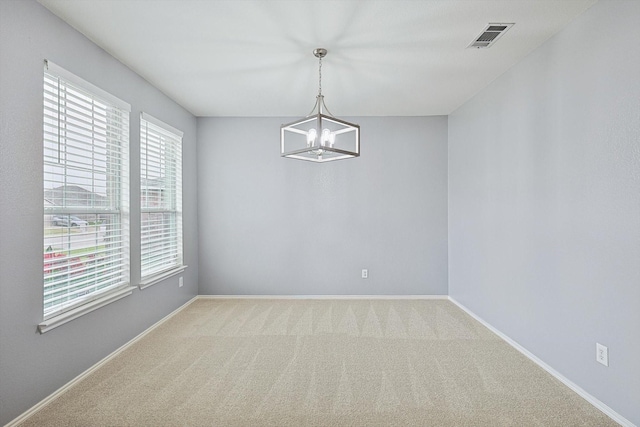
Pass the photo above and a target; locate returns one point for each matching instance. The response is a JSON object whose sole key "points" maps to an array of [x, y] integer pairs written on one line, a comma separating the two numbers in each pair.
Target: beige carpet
{"points": [[259, 362]]}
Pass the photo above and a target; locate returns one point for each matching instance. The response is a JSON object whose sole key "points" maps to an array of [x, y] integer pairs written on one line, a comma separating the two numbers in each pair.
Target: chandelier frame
{"points": [[320, 137]]}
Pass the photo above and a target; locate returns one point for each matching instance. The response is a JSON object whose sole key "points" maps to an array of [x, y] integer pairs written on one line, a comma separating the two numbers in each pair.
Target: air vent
{"points": [[490, 35]]}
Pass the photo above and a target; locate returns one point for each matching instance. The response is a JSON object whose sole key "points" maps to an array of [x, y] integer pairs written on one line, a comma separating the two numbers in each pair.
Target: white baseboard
{"points": [[321, 297], [586, 396], [95, 367]]}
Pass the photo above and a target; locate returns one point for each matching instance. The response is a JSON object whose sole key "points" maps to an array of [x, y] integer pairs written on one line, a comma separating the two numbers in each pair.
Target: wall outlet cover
{"points": [[602, 354]]}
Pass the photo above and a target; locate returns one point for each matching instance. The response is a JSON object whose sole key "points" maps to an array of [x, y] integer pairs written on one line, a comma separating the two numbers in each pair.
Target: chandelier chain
{"points": [[320, 76]]}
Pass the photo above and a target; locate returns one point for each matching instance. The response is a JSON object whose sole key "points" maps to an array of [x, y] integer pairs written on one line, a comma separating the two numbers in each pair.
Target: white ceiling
{"points": [[254, 57]]}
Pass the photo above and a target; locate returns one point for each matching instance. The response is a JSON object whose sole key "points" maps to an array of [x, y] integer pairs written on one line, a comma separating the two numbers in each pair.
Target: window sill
{"points": [[70, 315], [152, 280]]}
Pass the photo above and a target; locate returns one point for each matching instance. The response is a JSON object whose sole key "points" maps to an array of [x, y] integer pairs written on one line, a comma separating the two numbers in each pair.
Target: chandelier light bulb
{"points": [[328, 138], [311, 137]]}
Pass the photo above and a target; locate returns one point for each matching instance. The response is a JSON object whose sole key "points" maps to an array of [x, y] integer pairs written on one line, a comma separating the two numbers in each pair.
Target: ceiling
{"points": [[254, 57]]}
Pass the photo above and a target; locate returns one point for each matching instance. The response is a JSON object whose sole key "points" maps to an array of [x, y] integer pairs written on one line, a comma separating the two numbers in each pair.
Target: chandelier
{"points": [[320, 137]]}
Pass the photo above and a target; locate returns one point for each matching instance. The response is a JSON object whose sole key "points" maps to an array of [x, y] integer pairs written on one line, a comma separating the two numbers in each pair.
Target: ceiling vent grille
{"points": [[490, 35]]}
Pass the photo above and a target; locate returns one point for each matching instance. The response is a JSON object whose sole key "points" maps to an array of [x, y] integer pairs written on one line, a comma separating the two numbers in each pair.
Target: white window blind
{"points": [[86, 223], [160, 197]]}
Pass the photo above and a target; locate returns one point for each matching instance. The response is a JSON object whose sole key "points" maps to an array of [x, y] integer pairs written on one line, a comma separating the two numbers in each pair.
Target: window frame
{"points": [[109, 138], [161, 138]]}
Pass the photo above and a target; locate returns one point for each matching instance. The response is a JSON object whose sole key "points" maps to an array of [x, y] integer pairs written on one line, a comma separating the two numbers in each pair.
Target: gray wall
{"points": [[544, 203], [32, 365], [271, 225]]}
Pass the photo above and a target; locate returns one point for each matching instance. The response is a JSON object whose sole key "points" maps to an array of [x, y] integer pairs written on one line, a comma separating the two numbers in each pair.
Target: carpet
{"points": [[290, 362]]}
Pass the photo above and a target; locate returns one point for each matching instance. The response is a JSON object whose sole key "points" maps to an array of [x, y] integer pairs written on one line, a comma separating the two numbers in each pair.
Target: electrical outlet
{"points": [[365, 273], [180, 282], [602, 354]]}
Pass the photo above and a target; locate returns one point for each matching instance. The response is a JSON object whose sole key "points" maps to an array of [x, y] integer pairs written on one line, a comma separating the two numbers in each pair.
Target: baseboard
{"points": [[586, 396], [321, 297], [67, 386]]}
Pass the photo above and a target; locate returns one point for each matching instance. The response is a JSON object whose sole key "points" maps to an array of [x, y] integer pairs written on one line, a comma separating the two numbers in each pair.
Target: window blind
{"points": [[160, 197], [86, 224]]}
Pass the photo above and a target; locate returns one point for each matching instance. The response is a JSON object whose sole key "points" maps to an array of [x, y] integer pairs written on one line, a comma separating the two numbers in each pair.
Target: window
{"points": [[86, 224], [160, 199]]}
